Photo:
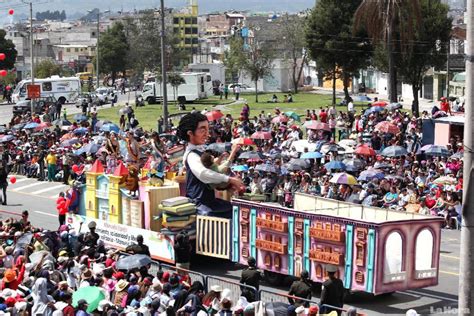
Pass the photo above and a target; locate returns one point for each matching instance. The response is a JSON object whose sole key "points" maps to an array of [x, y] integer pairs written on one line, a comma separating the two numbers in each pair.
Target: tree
{"points": [[175, 81], [330, 42], [394, 22], [113, 48], [47, 68], [259, 63], [429, 48], [234, 59], [8, 48], [294, 45]]}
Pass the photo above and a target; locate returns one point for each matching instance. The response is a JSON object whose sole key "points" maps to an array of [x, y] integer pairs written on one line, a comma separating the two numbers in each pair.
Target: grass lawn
{"points": [[148, 115]]}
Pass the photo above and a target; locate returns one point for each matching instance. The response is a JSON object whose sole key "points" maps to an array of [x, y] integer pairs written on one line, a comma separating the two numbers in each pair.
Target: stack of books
{"points": [[178, 214]]}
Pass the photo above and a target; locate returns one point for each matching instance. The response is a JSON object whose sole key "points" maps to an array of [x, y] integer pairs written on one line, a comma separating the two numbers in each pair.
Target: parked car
{"points": [[243, 88], [85, 98], [103, 95], [40, 105]]}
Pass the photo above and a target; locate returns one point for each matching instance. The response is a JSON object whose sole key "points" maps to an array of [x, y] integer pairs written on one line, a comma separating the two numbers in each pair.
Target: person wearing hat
{"points": [[91, 238], [82, 308], [121, 292], [301, 288], [51, 161], [332, 291], [251, 277]]}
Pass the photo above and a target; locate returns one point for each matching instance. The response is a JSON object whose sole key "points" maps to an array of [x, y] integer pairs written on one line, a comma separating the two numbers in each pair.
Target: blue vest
{"points": [[196, 190]]}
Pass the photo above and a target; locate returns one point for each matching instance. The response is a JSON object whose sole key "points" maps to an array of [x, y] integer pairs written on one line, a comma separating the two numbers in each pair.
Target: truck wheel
{"points": [[274, 279], [181, 100], [150, 100], [62, 100]]}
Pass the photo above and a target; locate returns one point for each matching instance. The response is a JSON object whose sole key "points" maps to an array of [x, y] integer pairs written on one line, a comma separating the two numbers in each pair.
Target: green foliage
{"points": [[175, 80], [47, 68], [331, 43], [8, 48], [113, 49], [259, 63], [234, 59]]}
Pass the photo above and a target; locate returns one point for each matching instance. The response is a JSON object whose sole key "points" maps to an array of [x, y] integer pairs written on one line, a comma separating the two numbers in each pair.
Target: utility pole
{"points": [[97, 46], [163, 68], [466, 281], [32, 56]]}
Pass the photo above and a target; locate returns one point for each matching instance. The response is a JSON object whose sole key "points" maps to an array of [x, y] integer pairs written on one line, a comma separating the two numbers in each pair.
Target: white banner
{"points": [[120, 236]]}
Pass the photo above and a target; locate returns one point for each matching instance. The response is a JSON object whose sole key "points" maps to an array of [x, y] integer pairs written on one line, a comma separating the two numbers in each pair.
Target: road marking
{"points": [[22, 180], [450, 257], [38, 196], [421, 294], [27, 186], [448, 272], [44, 213], [49, 189], [10, 213]]}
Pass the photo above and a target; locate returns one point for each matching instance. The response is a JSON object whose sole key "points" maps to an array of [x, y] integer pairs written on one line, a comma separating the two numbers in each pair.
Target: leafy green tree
{"points": [[429, 48], [113, 49], [175, 81], [47, 68], [234, 59], [259, 63], [394, 22], [8, 48], [331, 43]]}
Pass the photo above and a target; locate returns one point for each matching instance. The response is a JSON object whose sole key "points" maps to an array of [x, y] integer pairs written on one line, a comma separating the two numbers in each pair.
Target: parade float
{"points": [[376, 250]]}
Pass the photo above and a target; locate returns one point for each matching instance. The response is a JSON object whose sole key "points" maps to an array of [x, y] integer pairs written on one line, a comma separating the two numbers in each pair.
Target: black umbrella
{"points": [[61, 122], [251, 155], [132, 262], [219, 147]]}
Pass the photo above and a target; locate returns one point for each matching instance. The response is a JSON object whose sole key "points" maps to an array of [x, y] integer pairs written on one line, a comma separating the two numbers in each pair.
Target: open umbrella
{"points": [[361, 98], [438, 151], [92, 294], [394, 151], [343, 178], [101, 123], [326, 148], [300, 145], [335, 165], [243, 141], [387, 127], [219, 147], [373, 109], [70, 142], [354, 164], [261, 135], [80, 118], [394, 106], [365, 150], [458, 155], [80, 131], [36, 256], [30, 125], [251, 155], [347, 143], [298, 162], [132, 262], [370, 174], [380, 103], [42, 126], [312, 155], [240, 168], [90, 148], [214, 115], [293, 115], [280, 119], [445, 180], [62, 122], [18, 126], [110, 127], [3, 129], [317, 126], [266, 167], [7, 138]]}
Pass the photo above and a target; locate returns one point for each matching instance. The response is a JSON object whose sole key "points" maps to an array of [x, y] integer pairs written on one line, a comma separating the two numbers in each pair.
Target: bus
{"points": [[64, 89]]}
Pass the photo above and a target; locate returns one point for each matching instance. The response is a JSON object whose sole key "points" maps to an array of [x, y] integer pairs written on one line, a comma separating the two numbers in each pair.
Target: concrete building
{"points": [[185, 25]]}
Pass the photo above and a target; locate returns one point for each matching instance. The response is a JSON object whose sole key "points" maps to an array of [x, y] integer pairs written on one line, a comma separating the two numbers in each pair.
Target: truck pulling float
{"points": [[376, 250]]}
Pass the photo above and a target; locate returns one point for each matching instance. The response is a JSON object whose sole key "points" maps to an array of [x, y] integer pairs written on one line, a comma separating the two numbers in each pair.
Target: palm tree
{"points": [[385, 20]]}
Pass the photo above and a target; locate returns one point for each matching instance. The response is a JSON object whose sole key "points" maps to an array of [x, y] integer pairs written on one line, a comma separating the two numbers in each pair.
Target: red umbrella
{"points": [[317, 125], [365, 150], [243, 141], [387, 127], [42, 126], [280, 119], [214, 115], [261, 135], [380, 103]]}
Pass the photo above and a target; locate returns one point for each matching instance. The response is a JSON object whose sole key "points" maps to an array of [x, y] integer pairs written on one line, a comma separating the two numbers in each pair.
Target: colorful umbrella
{"points": [[394, 151], [343, 178], [335, 165], [365, 150], [380, 103], [437, 150], [92, 294], [80, 131], [7, 138], [214, 115], [90, 148], [110, 127], [370, 174], [42, 126], [445, 180], [240, 168], [373, 110], [361, 98], [293, 115], [280, 119], [312, 155], [80, 117], [317, 126], [387, 127], [243, 141], [31, 125], [261, 135], [70, 142]]}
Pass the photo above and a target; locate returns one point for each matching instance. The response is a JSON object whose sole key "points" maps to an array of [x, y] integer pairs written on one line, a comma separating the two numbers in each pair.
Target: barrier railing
{"points": [[235, 288], [193, 275], [267, 296]]}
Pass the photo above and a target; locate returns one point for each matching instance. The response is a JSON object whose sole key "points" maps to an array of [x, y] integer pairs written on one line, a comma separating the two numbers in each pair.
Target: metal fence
{"points": [[193, 275], [267, 296], [235, 287]]}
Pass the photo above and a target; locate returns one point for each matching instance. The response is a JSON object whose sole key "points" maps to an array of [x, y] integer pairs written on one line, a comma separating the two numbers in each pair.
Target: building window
{"points": [[176, 30], [76, 50], [47, 86], [92, 49], [195, 20], [195, 30], [195, 41], [187, 30], [175, 20], [68, 50], [187, 41], [187, 20]]}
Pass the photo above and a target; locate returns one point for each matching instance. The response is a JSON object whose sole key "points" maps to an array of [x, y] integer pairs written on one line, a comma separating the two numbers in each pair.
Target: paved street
{"points": [[39, 199]]}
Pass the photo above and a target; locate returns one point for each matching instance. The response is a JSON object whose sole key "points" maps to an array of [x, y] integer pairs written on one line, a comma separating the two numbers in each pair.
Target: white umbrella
{"points": [[300, 145]]}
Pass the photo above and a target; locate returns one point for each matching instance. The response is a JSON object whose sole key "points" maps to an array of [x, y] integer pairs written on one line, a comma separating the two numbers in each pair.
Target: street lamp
{"points": [[97, 46], [163, 67]]}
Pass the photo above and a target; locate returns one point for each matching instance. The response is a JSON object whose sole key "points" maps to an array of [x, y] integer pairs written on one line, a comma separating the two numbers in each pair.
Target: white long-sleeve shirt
{"points": [[204, 174]]}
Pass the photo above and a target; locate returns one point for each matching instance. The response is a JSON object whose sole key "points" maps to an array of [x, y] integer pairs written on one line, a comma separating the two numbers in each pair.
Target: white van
{"points": [[64, 89]]}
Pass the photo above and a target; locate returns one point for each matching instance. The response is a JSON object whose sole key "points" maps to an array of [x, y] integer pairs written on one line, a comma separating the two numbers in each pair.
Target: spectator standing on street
{"points": [[4, 182], [332, 292], [61, 208], [226, 91], [301, 288], [51, 160], [250, 276], [237, 92]]}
